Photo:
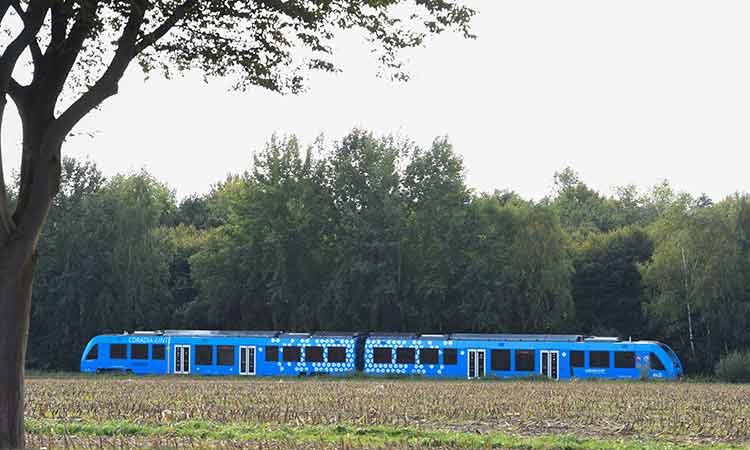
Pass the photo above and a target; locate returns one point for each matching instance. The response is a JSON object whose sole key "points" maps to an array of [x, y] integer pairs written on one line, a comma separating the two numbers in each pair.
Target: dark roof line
{"points": [[519, 337], [382, 335]]}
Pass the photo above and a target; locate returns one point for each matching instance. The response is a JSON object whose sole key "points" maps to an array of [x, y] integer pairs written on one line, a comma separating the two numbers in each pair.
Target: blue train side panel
{"points": [[510, 356], [223, 353], [100, 354]]}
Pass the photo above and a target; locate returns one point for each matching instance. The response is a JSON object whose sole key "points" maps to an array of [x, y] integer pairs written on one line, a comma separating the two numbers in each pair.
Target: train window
{"points": [[93, 353], [157, 351], [656, 363], [225, 355], [313, 354], [450, 357], [525, 360], [139, 351], [118, 351], [624, 360], [292, 354], [500, 359], [406, 356], [272, 353], [576, 358], [599, 360], [336, 354], [382, 355], [428, 356], [204, 355]]}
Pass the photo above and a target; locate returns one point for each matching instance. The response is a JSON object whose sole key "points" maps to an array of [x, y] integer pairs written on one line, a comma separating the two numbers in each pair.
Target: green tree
{"points": [[206, 211], [115, 279], [78, 52], [184, 241], [517, 278], [365, 186], [698, 280], [273, 241], [582, 210], [194, 211], [133, 208], [436, 202], [607, 284]]}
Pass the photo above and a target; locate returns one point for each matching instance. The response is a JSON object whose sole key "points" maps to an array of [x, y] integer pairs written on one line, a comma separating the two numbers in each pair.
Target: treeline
{"points": [[377, 234]]}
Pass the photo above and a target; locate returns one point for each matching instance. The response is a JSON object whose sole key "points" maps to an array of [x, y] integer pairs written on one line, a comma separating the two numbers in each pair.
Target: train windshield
{"points": [[671, 355], [93, 353]]}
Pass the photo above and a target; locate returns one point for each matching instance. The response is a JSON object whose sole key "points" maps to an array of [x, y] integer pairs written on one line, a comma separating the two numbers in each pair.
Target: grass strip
{"points": [[376, 436]]}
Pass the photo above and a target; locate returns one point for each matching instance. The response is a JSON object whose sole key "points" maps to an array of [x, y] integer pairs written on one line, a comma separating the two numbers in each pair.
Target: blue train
{"points": [[456, 355]]}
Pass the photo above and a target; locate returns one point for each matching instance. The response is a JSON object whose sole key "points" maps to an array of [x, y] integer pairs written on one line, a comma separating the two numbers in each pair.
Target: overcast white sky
{"points": [[624, 92]]}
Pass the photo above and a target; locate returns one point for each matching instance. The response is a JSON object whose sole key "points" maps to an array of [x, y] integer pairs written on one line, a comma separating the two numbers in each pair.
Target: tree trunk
{"points": [[16, 273]]}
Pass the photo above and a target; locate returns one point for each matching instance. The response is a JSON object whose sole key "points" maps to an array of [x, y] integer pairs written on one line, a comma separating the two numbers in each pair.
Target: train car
{"points": [[556, 357], [243, 353]]}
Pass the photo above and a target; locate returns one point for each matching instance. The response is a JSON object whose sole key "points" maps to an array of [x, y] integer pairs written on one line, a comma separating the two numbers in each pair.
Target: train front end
{"points": [[90, 356]]}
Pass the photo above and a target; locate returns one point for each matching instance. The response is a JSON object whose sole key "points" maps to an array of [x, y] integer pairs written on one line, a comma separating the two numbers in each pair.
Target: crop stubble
{"points": [[674, 411]]}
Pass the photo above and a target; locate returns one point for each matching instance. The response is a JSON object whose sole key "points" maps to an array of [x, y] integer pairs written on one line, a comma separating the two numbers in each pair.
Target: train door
{"points": [[550, 366], [182, 359], [476, 363], [247, 360]]}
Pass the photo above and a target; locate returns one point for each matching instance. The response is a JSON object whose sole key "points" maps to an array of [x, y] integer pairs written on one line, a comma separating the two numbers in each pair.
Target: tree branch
{"points": [[82, 26], [63, 51], [63, 55], [40, 164], [106, 85], [178, 13], [59, 28], [16, 92], [34, 18], [36, 52], [44, 183]]}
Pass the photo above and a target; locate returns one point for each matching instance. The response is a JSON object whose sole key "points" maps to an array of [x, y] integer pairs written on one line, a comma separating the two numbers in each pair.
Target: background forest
{"points": [[373, 233]]}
